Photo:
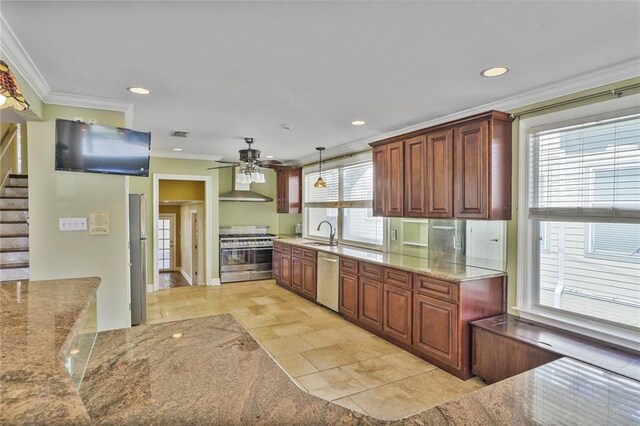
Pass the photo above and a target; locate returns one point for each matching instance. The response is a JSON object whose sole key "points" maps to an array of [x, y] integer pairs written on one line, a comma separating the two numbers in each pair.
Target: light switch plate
{"points": [[99, 224], [72, 224]]}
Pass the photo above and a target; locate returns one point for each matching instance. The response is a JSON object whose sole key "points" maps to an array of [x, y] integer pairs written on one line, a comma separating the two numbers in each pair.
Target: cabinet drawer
{"points": [[397, 277], [296, 251], [309, 255], [282, 248], [442, 290], [348, 266], [369, 270]]}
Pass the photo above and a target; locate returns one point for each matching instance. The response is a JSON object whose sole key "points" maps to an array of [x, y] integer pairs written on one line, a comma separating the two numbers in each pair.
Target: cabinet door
{"points": [[435, 329], [296, 273], [397, 308], [276, 265], [285, 269], [394, 205], [370, 306], [415, 176], [349, 295], [379, 179], [281, 189], [471, 177], [294, 191], [440, 174], [309, 279]]}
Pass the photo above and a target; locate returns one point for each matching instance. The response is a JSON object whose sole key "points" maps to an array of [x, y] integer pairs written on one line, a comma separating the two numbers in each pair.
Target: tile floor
{"points": [[172, 280], [324, 354]]}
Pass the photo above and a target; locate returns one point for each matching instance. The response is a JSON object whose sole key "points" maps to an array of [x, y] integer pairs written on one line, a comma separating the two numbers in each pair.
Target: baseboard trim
{"points": [[186, 276], [214, 281]]}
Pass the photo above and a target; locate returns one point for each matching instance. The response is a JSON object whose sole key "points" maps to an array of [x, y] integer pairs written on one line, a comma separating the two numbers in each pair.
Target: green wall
{"points": [[54, 194], [512, 225]]}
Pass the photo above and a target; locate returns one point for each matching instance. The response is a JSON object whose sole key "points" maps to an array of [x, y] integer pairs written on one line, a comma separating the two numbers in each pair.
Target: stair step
{"points": [[14, 235], [15, 192], [14, 274], [14, 250], [13, 197], [13, 222], [15, 257], [18, 176], [16, 186], [13, 209], [14, 265]]}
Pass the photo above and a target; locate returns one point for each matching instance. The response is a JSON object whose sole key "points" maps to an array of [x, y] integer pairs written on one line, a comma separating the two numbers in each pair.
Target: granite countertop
{"points": [[38, 323], [215, 373], [435, 268]]}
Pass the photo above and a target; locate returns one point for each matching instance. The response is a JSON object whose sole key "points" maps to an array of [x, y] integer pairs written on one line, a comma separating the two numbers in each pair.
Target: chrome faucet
{"points": [[332, 232]]}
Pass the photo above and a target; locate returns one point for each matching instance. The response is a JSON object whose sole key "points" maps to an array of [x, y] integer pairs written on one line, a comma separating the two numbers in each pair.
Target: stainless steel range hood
{"points": [[241, 192]]}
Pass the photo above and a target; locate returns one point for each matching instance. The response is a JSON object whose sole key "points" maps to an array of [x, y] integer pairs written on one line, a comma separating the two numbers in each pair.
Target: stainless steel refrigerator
{"points": [[137, 252]]}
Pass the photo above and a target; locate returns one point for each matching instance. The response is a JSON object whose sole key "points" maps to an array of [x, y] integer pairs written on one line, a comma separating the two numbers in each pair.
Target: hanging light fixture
{"points": [[10, 95], [320, 183]]}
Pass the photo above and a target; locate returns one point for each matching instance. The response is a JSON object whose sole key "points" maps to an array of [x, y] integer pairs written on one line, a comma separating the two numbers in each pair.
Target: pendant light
{"points": [[320, 183], [10, 95]]}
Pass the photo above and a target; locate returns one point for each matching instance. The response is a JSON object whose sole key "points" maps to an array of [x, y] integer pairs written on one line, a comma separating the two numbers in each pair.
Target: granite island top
{"points": [[213, 372], [38, 323], [433, 267]]}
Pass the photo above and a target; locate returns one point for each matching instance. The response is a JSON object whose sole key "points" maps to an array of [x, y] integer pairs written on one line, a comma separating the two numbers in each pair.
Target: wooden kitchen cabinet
{"points": [[285, 269], [388, 180], [276, 264], [289, 190], [370, 303], [397, 310], [297, 277], [460, 169], [348, 297], [309, 279], [435, 329]]}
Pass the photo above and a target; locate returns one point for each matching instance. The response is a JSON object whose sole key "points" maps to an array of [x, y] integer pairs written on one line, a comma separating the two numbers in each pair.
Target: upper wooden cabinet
{"points": [[460, 169], [289, 190], [388, 180]]}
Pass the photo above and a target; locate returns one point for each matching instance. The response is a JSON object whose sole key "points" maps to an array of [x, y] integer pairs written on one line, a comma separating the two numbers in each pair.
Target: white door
{"points": [[194, 249], [166, 242]]}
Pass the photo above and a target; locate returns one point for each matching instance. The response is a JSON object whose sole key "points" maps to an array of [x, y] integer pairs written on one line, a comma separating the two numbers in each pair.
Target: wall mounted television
{"points": [[92, 148]]}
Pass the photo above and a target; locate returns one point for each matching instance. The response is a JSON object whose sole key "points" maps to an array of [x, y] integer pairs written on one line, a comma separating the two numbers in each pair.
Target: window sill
{"points": [[618, 336]]}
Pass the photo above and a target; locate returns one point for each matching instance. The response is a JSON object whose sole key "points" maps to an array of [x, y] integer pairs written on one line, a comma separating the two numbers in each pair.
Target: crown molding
{"points": [[184, 156], [601, 77], [22, 63]]}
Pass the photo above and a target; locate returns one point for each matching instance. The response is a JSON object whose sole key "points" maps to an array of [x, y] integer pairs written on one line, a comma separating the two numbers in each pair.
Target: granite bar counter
{"points": [[435, 268], [40, 322]]}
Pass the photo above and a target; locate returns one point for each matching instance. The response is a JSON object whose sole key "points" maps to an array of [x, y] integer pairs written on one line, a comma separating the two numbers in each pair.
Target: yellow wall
{"points": [[181, 190], [512, 225], [175, 210], [54, 194]]}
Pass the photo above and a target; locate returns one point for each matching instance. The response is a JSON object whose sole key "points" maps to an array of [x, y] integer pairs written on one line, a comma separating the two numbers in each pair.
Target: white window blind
{"points": [[319, 195], [587, 171], [357, 181]]}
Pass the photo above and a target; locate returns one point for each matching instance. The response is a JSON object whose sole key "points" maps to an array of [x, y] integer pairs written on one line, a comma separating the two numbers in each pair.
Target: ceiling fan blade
{"points": [[267, 163], [224, 167], [228, 162]]}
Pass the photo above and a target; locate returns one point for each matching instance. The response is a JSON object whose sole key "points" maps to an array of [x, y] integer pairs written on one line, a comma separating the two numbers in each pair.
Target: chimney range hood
{"points": [[241, 192]]}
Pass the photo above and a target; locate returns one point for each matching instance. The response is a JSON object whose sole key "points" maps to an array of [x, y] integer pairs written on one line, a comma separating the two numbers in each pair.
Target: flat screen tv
{"points": [[92, 148]]}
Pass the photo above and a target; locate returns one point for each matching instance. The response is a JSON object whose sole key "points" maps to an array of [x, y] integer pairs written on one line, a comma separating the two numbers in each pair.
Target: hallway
{"points": [[172, 280]]}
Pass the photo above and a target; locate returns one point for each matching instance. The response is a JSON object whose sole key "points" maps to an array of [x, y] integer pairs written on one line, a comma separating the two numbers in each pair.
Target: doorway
{"points": [[167, 242]]}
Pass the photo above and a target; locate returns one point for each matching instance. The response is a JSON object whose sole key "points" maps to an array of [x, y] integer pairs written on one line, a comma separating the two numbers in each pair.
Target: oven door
{"points": [[262, 258], [236, 259]]}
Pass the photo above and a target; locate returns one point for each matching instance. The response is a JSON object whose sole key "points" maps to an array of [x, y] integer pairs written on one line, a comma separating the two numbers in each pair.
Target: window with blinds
{"points": [[583, 214], [346, 203]]}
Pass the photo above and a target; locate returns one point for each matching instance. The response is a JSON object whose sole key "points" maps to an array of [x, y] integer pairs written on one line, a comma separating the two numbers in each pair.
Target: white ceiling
{"points": [[223, 71]]}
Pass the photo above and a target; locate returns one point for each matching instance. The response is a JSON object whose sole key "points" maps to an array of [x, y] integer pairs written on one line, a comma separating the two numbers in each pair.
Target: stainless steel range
{"points": [[245, 253]]}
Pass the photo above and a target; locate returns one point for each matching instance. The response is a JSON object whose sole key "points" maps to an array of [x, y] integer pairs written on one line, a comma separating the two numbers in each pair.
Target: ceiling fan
{"points": [[249, 159]]}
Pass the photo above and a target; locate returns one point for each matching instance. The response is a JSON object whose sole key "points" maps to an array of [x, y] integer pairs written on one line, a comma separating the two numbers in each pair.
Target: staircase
{"points": [[14, 229]]}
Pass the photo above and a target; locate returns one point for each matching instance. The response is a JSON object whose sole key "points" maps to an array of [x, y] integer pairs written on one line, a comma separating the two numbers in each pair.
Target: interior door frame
{"points": [[195, 252], [210, 229], [172, 249]]}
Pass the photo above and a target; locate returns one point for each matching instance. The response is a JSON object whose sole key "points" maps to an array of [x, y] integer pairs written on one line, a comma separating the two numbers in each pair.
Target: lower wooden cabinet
{"points": [[309, 280], [348, 297], [435, 329], [276, 265], [285, 269], [370, 306], [397, 308], [296, 273]]}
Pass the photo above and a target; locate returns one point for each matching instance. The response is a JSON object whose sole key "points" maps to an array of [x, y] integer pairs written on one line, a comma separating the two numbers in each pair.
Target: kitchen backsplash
{"points": [[471, 242]]}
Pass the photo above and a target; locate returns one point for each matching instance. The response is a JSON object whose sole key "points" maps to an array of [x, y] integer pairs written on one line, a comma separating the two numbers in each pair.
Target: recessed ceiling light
{"points": [[287, 126], [495, 71], [138, 90], [176, 149], [270, 156], [177, 335], [358, 123]]}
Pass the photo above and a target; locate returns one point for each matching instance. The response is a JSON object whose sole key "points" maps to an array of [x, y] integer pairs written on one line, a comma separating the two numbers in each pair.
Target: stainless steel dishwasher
{"points": [[328, 270]]}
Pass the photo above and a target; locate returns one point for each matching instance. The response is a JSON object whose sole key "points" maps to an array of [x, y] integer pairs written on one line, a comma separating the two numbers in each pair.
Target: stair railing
{"points": [[7, 148]]}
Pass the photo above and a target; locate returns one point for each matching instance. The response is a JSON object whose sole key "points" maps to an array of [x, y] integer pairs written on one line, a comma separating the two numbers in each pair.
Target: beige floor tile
{"points": [[329, 357], [436, 387], [295, 365], [388, 402], [263, 334], [347, 402], [271, 308], [287, 345], [331, 384], [374, 372], [291, 329], [326, 324], [256, 321], [322, 338], [408, 363], [353, 332], [370, 347], [265, 300], [290, 316]]}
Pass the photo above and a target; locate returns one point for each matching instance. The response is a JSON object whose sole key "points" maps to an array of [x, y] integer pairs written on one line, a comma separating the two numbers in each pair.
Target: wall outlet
{"points": [[72, 224]]}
